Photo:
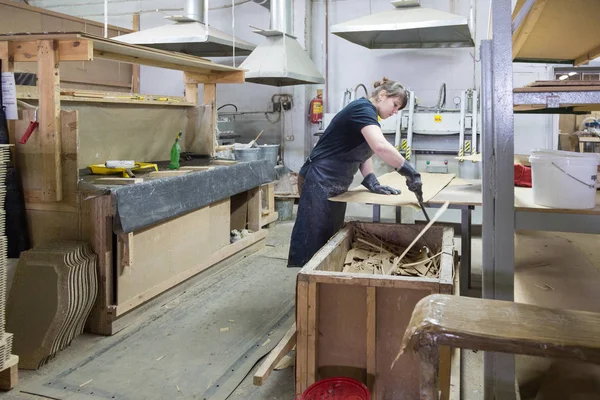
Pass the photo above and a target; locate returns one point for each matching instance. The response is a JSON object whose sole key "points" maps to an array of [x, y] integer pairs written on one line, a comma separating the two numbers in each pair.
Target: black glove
{"points": [[371, 183], [413, 179]]}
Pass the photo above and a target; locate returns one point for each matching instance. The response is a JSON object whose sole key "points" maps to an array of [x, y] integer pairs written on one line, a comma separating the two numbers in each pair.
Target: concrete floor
{"points": [[204, 343]]}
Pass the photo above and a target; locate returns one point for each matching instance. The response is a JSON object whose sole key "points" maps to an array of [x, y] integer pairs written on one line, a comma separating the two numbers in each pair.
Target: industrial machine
{"points": [[434, 138]]}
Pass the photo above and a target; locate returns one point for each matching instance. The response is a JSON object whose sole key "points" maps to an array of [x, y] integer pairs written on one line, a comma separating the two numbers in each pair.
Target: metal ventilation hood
{"points": [[407, 26], [189, 35], [280, 60]]}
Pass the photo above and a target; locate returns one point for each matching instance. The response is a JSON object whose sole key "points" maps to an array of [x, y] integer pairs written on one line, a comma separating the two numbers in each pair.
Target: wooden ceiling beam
{"points": [[216, 77], [68, 50], [521, 35]]}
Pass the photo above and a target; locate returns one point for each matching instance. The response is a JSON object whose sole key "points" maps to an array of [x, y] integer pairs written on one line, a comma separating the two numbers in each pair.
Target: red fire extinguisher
{"points": [[316, 108]]}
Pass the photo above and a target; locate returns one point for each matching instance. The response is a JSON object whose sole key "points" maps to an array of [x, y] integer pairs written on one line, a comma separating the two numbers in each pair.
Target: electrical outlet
{"points": [[287, 105], [276, 107]]}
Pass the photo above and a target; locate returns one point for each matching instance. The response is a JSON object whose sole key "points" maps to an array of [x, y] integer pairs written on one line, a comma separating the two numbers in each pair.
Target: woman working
{"points": [[346, 146]]}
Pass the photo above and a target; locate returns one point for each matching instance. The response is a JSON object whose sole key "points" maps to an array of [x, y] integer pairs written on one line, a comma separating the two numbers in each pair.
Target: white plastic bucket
{"points": [[564, 179]]}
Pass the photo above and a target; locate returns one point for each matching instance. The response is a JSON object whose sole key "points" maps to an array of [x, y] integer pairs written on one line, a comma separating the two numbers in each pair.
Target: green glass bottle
{"points": [[175, 153]]}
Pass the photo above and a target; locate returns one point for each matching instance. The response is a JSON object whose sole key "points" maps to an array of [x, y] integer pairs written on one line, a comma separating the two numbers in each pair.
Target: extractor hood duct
{"points": [[190, 34], [280, 60], [407, 26]]}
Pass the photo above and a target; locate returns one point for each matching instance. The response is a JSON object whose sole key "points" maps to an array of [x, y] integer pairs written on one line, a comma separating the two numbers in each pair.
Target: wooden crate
{"points": [[352, 324]]}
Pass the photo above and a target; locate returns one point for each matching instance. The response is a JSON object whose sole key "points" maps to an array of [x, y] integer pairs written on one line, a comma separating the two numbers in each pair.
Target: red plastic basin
{"points": [[336, 389]]}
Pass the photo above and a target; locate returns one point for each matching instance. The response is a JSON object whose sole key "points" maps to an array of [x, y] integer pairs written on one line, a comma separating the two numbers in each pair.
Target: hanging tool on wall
{"points": [[30, 129]]}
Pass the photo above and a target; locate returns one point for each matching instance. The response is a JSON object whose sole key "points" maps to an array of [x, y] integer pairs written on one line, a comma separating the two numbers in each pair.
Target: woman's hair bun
{"points": [[383, 81]]}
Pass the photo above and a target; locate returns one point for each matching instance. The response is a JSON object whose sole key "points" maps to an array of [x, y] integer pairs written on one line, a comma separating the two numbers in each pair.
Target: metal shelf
{"points": [[499, 100], [557, 99]]}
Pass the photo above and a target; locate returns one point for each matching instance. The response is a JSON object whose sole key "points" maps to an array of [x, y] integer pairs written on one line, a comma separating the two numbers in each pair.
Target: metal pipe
{"points": [[364, 87], [281, 16], [461, 135], [521, 15], [409, 132], [233, 29], [106, 18], [195, 10], [475, 108]]}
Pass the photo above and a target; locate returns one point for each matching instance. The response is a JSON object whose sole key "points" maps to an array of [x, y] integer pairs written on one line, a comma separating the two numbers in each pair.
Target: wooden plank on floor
{"points": [[286, 345]]}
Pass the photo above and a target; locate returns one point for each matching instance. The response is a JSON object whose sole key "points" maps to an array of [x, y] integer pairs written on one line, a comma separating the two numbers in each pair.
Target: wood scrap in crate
{"points": [[372, 255]]}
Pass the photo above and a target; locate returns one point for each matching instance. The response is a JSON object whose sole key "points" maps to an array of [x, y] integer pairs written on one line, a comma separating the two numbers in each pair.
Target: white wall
{"points": [[421, 70]]}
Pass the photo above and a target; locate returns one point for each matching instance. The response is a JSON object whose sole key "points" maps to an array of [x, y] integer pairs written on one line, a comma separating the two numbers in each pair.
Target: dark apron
{"points": [[318, 218]]}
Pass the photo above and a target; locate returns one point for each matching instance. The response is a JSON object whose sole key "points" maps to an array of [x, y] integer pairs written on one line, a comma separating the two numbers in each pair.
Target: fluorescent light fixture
{"points": [[563, 77], [572, 73]]}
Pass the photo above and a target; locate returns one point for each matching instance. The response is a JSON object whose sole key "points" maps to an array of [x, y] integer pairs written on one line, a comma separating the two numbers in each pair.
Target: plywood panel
{"points": [[168, 249], [220, 218], [17, 17], [45, 226], [30, 163], [432, 185], [163, 251], [394, 309], [123, 132], [343, 331], [565, 30]]}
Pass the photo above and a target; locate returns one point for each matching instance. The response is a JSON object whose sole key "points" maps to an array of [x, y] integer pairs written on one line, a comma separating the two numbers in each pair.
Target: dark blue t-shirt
{"points": [[344, 132]]}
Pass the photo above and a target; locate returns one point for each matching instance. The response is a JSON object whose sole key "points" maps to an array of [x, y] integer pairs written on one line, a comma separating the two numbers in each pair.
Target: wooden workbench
{"points": [[465, 195], [133, 267]]}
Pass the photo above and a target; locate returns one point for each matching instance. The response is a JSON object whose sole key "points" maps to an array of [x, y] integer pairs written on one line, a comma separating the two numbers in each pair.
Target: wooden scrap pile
{"points": [[372, 255]]}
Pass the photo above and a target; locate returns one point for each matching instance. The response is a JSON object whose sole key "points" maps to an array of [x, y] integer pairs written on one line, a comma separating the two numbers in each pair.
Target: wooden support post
{"points": [[210, 97], [8, 63], [68, 50], [301, 335], [98, 232], [9, 377], [313, 333], [49, 119], [254, 209], [372, 340], [191, 88], [135, 84]]}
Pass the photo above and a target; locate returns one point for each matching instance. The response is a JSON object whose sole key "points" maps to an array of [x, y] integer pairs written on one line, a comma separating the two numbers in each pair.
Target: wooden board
{"points": [[49, 119], [545, 89], [130, 53], [524, 202], [30, 13], [552, 83], [165, 174], [460, 193], [284, 346], [432, 185], [564, 30], [118, 181], [98, 74], [29, 93], [225, 253], [171, 248]]}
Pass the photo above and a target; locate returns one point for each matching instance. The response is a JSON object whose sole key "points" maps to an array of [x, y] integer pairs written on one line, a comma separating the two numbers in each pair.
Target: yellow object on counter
{"points": [[102, 169]]}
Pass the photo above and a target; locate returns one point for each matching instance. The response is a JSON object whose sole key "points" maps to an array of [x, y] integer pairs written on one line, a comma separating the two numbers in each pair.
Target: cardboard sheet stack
{"points": [[6, 339], [53, 292]]}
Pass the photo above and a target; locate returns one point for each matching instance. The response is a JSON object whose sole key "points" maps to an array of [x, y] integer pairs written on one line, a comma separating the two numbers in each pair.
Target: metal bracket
{"points": [[553, 102]]}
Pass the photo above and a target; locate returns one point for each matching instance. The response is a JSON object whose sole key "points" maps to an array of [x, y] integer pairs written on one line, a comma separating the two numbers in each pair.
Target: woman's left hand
{"points": [[371, 183]]}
